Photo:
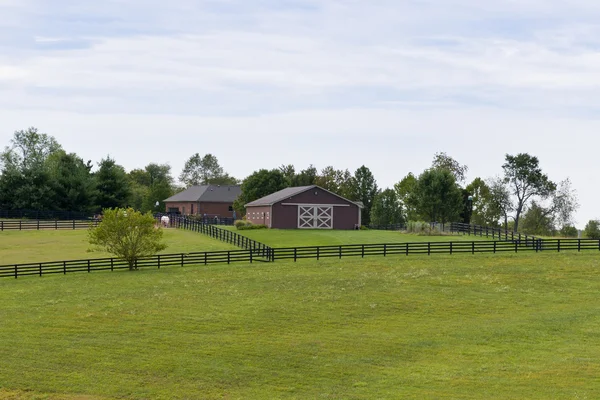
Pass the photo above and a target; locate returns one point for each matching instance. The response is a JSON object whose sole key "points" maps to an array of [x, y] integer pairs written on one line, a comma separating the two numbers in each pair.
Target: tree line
{"points": [[37, 173]]}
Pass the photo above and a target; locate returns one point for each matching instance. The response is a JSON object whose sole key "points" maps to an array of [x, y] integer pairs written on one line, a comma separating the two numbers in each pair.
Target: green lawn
{"points": [[316, 237], [51, 245], [464, 327]]}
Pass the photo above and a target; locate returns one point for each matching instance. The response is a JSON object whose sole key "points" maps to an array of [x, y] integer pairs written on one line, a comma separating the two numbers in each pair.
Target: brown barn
{"points": [[212, 200], [305, 207]]}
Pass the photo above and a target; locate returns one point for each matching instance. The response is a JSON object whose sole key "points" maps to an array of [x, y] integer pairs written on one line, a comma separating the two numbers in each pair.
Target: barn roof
{"points": [[207, 194], [289, 192]]}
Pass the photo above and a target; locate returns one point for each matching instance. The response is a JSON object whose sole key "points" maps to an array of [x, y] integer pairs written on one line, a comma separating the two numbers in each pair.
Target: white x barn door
{"points": [[315, 217]]}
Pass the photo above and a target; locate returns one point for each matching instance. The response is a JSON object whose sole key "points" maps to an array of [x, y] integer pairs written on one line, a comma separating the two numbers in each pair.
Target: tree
{"points": [[387, 209], [152, 184], [289, 172], [437, 196], [564, 204], [205, 171], [128, 234], [500, 199], [405, 190], [485, 211], [112, 185], [537, 220], [337, 181], [306, 177], [526, 179], [25, 180], [592, 229], [444, 161], [74, 188], [365, 191], [261, 183]]}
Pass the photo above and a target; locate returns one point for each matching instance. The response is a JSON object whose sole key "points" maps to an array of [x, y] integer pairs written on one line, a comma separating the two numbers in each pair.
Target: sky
{"points": [[262, 83]]}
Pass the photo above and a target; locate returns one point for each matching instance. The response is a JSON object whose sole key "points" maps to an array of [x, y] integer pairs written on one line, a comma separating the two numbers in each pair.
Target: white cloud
{"points": [[387, 82]]}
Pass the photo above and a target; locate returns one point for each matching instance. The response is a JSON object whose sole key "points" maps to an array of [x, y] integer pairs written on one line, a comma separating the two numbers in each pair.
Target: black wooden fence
{"points": [[224, 235], [112, 264], [45, 214], [22, 225], [298, 253], [494, 233]]}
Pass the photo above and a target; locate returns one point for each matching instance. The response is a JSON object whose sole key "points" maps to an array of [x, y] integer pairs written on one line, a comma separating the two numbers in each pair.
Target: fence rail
{"points": [[298, 253], [494, 233], [22, 225], [113, 264], [224, 235], [45, 214]]}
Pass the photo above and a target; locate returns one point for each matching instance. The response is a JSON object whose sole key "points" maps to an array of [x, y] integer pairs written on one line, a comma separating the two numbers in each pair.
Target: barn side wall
{"points": [[259, 215]]}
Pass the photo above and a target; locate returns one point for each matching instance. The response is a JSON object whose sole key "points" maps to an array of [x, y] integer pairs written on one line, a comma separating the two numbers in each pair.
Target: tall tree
{"points": [[25, 178], [365, 191], [387, 209], [306, 177], [438, 196], [485, 211], [444, 161], [500, 201], [289, 172], [526, 179], [113, 189], [259, 184], [205, 171], [405, 190], [337, 181], [537, 220], [74, 187], [564, 204]]}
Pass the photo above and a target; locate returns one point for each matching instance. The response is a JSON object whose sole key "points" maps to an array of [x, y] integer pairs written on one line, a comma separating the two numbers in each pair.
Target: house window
{"points": [[230, 208], [174, 210]]}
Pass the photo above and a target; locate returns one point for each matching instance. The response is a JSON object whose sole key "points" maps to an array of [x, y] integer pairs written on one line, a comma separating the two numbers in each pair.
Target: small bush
{"points": [[252, 226], [592, 229], [364, 228], [240, 223]]}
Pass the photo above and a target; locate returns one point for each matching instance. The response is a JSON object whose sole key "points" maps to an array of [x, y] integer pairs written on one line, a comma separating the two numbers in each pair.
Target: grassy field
{"points": [[319, 237], [465, 327], [39, 246]]}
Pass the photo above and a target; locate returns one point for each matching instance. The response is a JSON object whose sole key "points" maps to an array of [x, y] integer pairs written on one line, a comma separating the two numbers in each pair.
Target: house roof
{"points": [[207, 194], [289, 192]]}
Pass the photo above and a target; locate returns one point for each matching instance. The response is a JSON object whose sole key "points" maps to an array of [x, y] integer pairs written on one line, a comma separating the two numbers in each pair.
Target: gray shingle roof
{"points": [[208, 193], [278, 196]]}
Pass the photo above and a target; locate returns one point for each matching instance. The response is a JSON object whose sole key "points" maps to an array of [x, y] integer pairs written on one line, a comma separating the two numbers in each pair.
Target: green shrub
{"points": [[251, 226], [241, 223], [364, 228]]}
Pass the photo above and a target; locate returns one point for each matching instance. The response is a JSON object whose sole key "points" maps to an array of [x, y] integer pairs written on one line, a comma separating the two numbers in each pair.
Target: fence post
{"points": [[40, 269], [159, 261], [407, 249], [472, 247], [1, 225], [205, 258], [20, 225], [578, 244], [64, 267], [340, 252], [55, 224], [516, 247], [558, 246], [384, 250], [495, 247], [450, 248], [428, 248], [182, 259], [318, 252], [295, 254], [112, 264], [88, 266], [229, 257], [16, 272], [73, 224], [251, 257], [362, 253], [38, 224]]}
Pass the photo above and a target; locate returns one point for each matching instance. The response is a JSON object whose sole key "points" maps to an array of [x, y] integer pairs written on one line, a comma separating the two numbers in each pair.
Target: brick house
{"points": [[306, 207], [212, 200]]}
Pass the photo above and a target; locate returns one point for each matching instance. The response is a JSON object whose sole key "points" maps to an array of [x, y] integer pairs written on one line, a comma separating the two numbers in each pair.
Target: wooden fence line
{"points": [[298, 253], [22, 225]]}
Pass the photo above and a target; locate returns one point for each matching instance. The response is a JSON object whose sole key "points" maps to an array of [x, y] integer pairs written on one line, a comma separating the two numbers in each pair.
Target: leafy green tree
{"points": [[113, 188], [537, 220], [387, 209], [25, 178], [592, 229], [150, 185], [205, 171], [500, 201], [485, 211], [444, 161], [405, 190], [337, 181], [261, 183], [564, 204], [289, 172], [527, 181], [306, 177], [74, 187], [437, 196], [365, 191], [128, 234]]}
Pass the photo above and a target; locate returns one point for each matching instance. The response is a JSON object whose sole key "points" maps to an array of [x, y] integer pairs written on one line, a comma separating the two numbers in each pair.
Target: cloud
{"points": [[386, 82]]}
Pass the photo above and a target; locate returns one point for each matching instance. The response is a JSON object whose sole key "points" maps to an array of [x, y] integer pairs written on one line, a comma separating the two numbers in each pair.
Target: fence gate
{"points": [[315, 217]]}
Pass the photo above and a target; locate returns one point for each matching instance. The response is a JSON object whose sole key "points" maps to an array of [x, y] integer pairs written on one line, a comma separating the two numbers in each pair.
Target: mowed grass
{"points": [[320, 237], [510, 326], [51, 245]]}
